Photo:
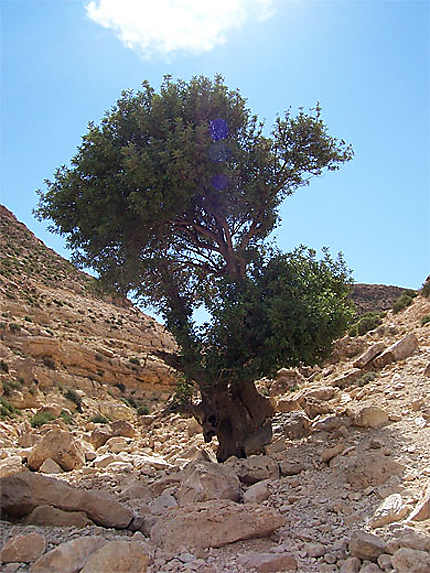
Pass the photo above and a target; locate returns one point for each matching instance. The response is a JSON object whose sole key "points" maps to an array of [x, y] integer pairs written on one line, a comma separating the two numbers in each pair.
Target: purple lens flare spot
{"points": [[219, 181], [219, 129]]}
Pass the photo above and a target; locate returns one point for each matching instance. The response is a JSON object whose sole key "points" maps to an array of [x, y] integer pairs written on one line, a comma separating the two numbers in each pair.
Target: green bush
{"points": [[134, 360], [365, 323], [66, 417], [120, 386], [41, 418], [366, 378], [425, 319], [3, 366], [74, 397], [425, 291], [143, 410], [402, 302], [6, 409], [99, 419], [9, 386]]}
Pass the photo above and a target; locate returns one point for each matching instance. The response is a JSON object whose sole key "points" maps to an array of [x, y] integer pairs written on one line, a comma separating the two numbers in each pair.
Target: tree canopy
{"points": [[174, 195]]}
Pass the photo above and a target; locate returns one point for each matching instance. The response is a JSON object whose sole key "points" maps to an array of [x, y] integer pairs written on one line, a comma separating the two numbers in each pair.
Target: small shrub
{"points": [[134, 360], [365, 323], [28, 318], [366, 378], [3, 366], [143, 410], [182, 398], [49, 362], [74, 397], [99, 419], [41, 418], [425, 291], [425, 319], [120, 386], [14, 327], [9, 386], [6, 409], [402, 302], [66, 417]]}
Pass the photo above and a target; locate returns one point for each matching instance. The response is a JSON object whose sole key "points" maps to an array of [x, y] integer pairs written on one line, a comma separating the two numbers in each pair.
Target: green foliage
{"points": [[287, 312], [143, 410], [10, 385], [402, 302], [74, 397], [182, 397], [41, 418], [134, 360], [99, 419], [366, 378], [66, 417], [365, 323], [425, 319], [4, 366], [120, 386], [160, 201], [425, 290], [6, 409]]}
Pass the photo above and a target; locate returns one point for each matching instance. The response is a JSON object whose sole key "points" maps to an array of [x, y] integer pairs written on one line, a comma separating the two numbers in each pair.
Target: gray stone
{"points": [[411, 561]]}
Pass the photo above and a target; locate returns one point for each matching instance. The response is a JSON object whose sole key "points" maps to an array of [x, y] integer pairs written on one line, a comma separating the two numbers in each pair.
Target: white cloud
{"points": [[167, 26]]}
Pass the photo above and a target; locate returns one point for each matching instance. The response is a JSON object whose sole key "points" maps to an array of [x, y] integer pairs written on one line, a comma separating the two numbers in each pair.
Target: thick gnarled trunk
{"points": [[239, 416]]}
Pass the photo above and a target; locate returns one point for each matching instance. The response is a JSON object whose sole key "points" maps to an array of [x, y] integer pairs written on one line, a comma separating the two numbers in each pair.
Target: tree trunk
{"points": [[239, 416]]}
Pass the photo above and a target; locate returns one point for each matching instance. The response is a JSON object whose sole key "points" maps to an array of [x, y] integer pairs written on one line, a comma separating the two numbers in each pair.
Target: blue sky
{"points": [[368, 63]]}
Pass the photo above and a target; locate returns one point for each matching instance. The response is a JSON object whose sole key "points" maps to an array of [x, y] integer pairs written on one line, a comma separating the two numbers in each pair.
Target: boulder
{"points": [[296, 425], [54, 517], [162, 503], [391, 509], [21, 493], [213, 524], [369, 355], [371, 417], [121, 556], [347, 378], [23, 548], [123, 428], [115, 411], [422, 511], [68, 557], [60, 446], [286, 379], [364, 470], [255, 468], [50, 467], [205, 481], [351, 565], [10, 466], [258, 492], [366, 545], [99, 437], [268, 562], [398, 351], [411, 561]]}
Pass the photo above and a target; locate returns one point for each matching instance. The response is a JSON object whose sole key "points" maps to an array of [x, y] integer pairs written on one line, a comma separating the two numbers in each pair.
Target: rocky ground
{"points": [[103, 486]]}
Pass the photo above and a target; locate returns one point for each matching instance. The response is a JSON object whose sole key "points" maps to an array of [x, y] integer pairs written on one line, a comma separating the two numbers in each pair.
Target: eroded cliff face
{"points": [[57, 332]]}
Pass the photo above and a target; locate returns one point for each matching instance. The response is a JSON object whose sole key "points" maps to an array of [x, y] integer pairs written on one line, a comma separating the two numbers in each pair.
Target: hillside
{"points": [[91, 484], [369, 298], [57, 332]]}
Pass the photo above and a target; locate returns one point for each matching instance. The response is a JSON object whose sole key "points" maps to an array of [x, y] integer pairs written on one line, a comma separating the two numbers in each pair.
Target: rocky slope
{"points": [[57, 333], [368, 298], [343, 487]]}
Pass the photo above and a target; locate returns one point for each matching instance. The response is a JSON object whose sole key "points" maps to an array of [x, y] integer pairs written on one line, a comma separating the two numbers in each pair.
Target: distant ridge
{"points": [[369, 297]]}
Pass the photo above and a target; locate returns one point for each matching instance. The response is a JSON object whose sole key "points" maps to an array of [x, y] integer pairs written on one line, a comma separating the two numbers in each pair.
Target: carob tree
{"points": [[173, 197]]}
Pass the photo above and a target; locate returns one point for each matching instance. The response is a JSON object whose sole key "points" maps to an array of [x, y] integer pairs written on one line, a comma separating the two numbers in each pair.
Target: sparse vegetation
{"points": [[10, 385], [4, 367], [403, 301], [120, 386], [425, 319], [366, 378], [49, 362], [66, 417], [6, 409], [134, 360], [99, 419], [365, 323], [41, 418], [143, 410], [425, 291], [74, 397]]}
